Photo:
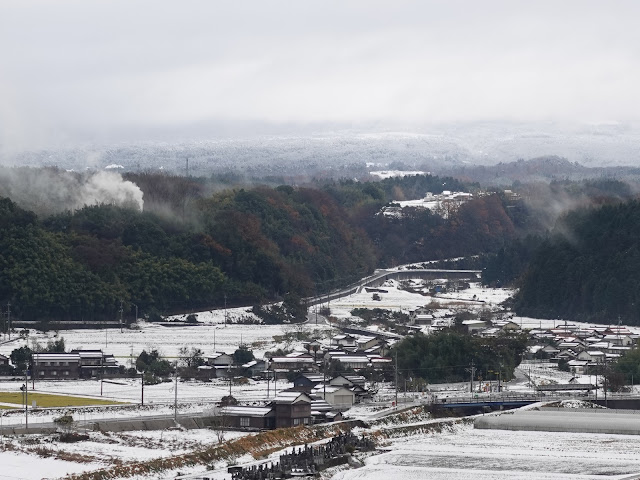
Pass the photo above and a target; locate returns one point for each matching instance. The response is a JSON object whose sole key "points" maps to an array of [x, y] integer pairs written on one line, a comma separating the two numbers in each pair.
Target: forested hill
{"points": [[589, 269], [190, 249]]}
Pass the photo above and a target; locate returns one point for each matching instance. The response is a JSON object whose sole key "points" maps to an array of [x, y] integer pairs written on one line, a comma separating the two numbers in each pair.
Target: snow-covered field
{"points": [[210, 335], [466, 453], [474, 298]]}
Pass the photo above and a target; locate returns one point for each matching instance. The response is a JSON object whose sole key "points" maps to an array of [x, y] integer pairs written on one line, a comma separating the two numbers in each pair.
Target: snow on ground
{"points": [[382, 174], [466, 453], [208, 336], [458, 455], [193, 397], [21, 466], [474, 298], [38, 456]]}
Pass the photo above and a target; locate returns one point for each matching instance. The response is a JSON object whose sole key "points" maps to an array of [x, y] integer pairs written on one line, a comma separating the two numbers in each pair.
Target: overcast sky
{"points": [[122, 70]]}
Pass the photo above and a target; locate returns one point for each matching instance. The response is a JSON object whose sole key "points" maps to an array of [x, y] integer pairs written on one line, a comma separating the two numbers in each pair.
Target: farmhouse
{"points": [[56, 365], [474, 325], [292, 409], [73, 365], [248, 417], [301, 363]]}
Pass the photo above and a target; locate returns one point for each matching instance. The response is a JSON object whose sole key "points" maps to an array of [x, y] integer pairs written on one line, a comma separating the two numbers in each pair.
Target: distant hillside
{"points": [[588, 269], [540, 169], [193, 249]]}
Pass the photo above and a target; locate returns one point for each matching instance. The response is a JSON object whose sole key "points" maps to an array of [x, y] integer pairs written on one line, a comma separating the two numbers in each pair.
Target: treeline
{"points": [[447, 356], [198, 245], [543, 218], [588, 268]]}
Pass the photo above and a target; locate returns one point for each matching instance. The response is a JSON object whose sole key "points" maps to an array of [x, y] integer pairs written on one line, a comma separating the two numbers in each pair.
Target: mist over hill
{"points": [[341, 154]]}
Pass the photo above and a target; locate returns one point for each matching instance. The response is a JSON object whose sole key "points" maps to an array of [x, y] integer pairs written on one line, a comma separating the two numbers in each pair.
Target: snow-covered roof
{"points": [[292, 397], [246, 410], [474, 322], [56, 356], [330, 389], [292, 360]]}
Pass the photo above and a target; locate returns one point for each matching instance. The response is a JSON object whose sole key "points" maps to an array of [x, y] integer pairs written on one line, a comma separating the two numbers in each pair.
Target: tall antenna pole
{"points": [[9, 318]]}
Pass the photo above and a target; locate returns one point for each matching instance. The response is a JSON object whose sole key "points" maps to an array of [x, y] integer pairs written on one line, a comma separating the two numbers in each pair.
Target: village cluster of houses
{"points": [[314, 397], [326, 396], [584, 349]]}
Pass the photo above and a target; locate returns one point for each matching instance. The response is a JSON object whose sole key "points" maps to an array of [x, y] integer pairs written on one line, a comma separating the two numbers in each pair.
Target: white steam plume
{"points": [[110, 188], [49, 191]]}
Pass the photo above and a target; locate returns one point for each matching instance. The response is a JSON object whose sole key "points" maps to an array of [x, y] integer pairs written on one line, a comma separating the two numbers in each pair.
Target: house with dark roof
{"points": [[307, 381]]}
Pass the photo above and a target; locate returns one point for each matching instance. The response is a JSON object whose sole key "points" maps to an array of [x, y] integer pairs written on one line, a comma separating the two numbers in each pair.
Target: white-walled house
{"points": [[340, 398]]}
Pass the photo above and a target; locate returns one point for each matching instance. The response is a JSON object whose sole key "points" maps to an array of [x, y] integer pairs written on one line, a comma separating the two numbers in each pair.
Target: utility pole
{"points": [[472, 371], [142, 394], [324, 379], [605, 382], [101, 372], [396, 375], [9, 318], [121, 310], [26, 400], [225, 309], [266, 366], [175, 399]]}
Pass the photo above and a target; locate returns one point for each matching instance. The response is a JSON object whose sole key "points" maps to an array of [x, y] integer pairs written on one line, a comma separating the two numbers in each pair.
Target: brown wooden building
{"points": [[292, 409], [248, 418]]}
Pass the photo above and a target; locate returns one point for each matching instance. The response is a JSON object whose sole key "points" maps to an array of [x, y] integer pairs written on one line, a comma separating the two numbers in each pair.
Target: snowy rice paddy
{"points": [[466, 453]]}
